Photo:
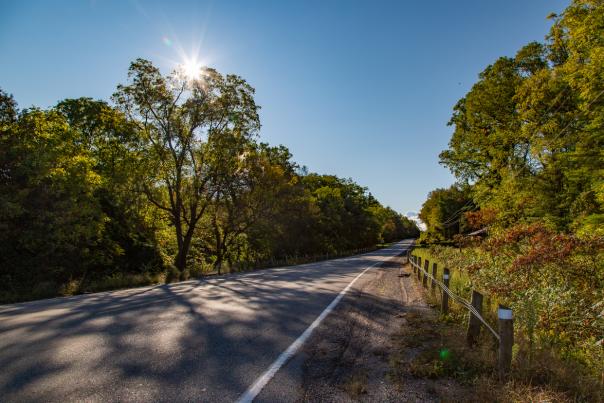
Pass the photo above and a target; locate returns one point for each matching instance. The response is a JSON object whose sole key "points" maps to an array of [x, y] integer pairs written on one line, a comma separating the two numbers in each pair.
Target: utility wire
{"points": [[461, 210], [588, 106]]}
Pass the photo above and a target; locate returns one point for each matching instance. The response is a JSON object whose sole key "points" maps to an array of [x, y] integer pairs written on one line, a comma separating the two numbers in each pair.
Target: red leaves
{"points": [[534, 245], [473, 268], [481, 218], [545, 247]]}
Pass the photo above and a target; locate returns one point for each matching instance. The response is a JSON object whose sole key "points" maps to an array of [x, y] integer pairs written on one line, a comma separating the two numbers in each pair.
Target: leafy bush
{"points": [[554, 282]]}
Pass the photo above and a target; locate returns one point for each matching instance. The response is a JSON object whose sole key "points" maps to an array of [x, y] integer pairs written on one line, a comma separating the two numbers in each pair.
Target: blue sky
{"points": [[360, 89]]}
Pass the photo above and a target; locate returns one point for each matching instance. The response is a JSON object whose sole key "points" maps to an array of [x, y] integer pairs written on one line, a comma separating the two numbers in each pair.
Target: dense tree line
{"points": [[444, 213], [167, 181], [528, 143]]}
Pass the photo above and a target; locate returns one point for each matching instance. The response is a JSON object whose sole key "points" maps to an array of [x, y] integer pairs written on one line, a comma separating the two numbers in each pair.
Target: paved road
{"points": [[205, 340]]}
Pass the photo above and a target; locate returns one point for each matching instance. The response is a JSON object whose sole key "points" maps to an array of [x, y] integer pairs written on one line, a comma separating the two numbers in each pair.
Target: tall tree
{"points": [[443, 213], [529, 135], [181, 118]]}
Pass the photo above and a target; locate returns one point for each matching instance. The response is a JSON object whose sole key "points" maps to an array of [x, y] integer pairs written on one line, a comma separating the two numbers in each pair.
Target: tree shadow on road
{"points": [[204, 339]]}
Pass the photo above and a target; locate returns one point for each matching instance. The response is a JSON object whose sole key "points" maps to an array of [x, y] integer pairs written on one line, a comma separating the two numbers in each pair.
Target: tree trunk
{"points": [[183, 251], [218, 263], [181, 255]]}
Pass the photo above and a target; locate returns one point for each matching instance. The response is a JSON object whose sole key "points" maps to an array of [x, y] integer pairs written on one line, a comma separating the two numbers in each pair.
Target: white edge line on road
{"points": [[261, 382]]}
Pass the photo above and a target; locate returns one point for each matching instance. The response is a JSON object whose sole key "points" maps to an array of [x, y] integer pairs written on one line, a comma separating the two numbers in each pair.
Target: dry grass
{"points": [[356, 385], [433, 349], [489, 389]]}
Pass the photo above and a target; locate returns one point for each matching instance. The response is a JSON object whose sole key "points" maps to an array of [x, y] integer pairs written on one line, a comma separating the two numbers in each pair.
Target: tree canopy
{"points": [[529, 135]]}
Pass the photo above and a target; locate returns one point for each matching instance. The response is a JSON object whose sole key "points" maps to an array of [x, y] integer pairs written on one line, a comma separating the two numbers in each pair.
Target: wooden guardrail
{"points": [[505, 333]]}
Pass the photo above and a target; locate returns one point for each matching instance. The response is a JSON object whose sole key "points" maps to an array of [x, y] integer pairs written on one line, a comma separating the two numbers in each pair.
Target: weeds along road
{"points": [[202, 340]]}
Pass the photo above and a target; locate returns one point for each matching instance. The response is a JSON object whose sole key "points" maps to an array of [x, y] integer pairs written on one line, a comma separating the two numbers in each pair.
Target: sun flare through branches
{"points": [[191, 68]]}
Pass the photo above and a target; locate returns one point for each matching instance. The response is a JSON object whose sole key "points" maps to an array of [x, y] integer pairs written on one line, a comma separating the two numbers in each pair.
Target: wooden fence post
{"points": [[506, 340], [419, 264], [445, 300], [434, 270], [427, 269], [474, 322]]}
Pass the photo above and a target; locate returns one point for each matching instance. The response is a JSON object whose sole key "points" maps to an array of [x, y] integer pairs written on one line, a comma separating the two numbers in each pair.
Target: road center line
{"points": [[261, 382]]}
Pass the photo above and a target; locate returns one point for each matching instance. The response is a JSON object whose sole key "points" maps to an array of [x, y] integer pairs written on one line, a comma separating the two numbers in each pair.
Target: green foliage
{"points": [[348, 217], [65, 215], [343, 207], [443, 213], [169, 183], [529, 136]]}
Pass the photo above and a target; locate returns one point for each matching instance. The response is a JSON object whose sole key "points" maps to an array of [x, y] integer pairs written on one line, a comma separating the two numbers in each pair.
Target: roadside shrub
{"points": [[554, 282]]}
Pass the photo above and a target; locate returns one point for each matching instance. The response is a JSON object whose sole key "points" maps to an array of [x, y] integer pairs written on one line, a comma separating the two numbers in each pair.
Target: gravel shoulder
{"points": [[359, 352]]}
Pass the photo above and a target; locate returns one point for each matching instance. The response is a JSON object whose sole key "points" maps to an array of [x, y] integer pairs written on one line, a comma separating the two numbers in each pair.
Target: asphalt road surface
{"points": [[202, 340]]}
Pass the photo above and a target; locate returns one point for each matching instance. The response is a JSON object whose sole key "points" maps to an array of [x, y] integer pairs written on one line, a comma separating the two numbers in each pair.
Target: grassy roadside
{"points": [[441, 353]]}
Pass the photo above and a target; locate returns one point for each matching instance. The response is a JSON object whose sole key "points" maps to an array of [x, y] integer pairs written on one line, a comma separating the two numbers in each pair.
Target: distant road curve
{"points": [[204, 340]]}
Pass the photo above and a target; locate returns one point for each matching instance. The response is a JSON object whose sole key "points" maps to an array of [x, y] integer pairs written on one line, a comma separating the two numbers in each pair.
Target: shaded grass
{"points": [[250, 265], [115, 281], [118, 281], [123, 280]]}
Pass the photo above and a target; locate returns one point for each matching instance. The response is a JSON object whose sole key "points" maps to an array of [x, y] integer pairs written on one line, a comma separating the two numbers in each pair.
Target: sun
{"points": [[191, 69], [189, 66]]}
